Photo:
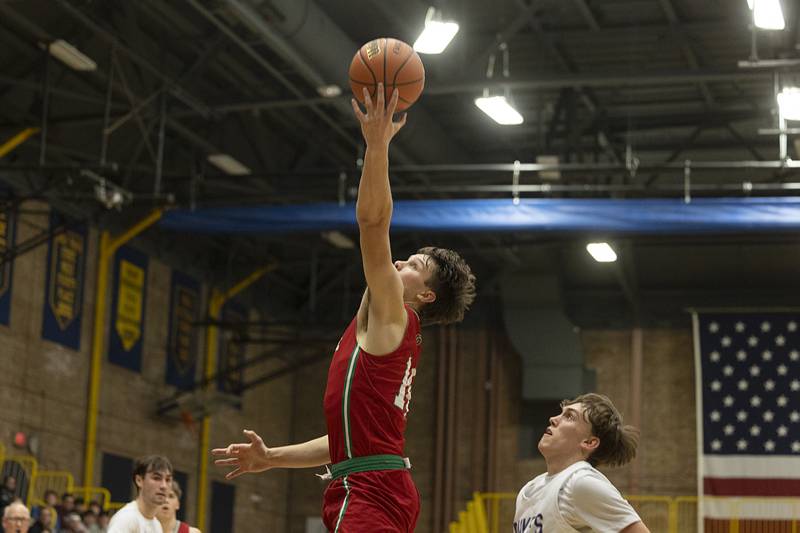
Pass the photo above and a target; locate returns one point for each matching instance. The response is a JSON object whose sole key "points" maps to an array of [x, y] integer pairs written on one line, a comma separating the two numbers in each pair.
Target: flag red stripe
{"points": [[713, 525], [750, 487]]}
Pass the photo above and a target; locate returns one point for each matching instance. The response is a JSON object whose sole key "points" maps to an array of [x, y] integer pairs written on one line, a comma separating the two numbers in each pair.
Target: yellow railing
{"points": [[24, 469], [59, 481], [36, 482], [98, 494]]}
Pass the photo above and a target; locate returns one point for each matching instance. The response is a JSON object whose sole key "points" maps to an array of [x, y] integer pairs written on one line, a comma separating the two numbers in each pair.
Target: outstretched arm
{"points": [[254, 456], [387, 317]]}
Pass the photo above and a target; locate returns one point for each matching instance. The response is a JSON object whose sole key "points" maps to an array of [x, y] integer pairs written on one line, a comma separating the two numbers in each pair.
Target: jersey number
{"points": [[403, 398]]}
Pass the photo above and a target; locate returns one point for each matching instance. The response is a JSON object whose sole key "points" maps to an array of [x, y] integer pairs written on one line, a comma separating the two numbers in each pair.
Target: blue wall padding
{"points": [[702, 215]]}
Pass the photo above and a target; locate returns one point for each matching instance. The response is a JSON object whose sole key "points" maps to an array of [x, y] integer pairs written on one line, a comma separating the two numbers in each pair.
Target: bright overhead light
{"points": [[789, 103], [338, 239], [767, 14], [498, 108], [70, 56], [601, 252], [436, 35], [228, 165], [329, 91]]}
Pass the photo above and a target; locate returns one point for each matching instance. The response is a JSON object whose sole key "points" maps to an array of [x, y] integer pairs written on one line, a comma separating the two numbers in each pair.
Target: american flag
{"points": [[748, 398]]}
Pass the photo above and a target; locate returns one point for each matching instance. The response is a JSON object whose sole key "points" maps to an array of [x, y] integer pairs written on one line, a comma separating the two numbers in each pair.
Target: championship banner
{"points": [[66, 259], [184, 311], [231, 352], [127, 308], [748, 421], [8, 232]]}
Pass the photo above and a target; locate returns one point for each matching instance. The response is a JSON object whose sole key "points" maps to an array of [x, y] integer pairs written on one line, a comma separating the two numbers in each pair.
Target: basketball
{"points": [[391, 62]]}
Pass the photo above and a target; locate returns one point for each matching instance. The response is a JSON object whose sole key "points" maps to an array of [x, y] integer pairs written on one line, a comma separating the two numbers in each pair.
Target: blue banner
{"points": [[66, 261], [8, 233], [231, 352], [127, 308], [184, 310]]}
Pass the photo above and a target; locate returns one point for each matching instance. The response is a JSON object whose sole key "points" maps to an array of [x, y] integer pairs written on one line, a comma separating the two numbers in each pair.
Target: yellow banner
{"points": [[65, 272], [129, 303]]}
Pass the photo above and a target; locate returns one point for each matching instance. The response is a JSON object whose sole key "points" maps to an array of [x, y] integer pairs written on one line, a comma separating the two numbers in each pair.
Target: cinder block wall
{"points": [[43, 390]]}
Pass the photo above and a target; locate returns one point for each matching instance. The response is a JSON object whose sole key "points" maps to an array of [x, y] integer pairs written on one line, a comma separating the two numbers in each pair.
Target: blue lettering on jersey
{"points": [[529, 525]]}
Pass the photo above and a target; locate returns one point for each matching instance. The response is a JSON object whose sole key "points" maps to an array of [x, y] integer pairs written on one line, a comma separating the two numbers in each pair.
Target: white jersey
{"points": [[579, 499], [130, 520]]}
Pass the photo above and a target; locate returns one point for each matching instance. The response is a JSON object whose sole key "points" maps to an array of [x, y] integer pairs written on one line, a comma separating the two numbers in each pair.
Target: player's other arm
{"points": [[255, 456], [374, 213]]}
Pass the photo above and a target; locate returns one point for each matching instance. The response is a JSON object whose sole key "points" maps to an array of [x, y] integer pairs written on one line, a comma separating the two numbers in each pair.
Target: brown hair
{"points": [[150, 463], [617, 442], [454, 284], [176, 488]]}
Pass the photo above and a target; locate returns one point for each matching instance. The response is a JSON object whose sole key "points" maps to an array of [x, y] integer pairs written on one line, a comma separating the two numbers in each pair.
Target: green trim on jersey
{"points": [[344, 504], [348, 385]]}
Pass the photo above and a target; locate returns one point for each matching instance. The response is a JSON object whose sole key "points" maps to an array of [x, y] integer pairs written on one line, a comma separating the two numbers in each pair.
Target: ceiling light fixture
{"points": [[789, 103], [499, 109], [329, 91], [436, 35], [767, 14], [338, 239], [602, 252], [228, 165], [70, 56]]}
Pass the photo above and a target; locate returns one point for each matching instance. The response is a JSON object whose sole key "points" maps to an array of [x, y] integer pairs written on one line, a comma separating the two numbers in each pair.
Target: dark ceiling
{"points": [[624, 91]]}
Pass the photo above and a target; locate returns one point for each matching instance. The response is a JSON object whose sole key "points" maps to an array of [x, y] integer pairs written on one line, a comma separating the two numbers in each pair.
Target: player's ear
{"points": [[590, 444], [427, 296]]}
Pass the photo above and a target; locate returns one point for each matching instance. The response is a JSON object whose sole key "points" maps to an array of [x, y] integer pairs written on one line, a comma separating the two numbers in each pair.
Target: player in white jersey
{"points": [[153, 478], [572, 496]]}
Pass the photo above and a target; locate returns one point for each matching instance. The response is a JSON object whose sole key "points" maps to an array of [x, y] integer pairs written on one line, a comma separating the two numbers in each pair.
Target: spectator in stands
{"points": [[80, 505], [73, 524], [16, 518], [102, 521], [94, 506], [8, 492], [90, 521], [67, 506], [46, 521], [50, 500]]}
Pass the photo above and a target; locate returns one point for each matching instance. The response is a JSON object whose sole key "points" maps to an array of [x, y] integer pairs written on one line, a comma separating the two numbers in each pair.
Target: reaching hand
{"points": [[249, 457], [377, 125]]}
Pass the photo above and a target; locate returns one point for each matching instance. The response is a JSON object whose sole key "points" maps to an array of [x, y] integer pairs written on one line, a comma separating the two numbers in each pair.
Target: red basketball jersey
{"points": [[367, 396]]}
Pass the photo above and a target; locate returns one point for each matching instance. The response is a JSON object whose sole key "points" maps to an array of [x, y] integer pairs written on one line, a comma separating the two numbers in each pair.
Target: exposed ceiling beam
{"points": [[686, 48], [587, 14], [550, 81]]}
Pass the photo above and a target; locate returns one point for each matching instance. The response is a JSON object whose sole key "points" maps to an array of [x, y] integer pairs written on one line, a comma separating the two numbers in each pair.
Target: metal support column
{"points": [[108, 247], [217, 301]]}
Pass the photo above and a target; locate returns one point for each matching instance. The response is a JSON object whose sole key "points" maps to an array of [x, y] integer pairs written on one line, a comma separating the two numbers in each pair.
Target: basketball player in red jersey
{"points": [[373, 368]]}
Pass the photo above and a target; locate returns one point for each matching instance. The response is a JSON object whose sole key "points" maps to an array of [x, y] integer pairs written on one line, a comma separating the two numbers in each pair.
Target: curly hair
{"points": [[454, 284], [618, 442]]}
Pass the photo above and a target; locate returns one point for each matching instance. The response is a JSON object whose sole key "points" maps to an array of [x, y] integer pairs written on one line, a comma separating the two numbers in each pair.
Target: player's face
{"points": [[566, 433], [415, 273], [169, 508], [154, 487]]}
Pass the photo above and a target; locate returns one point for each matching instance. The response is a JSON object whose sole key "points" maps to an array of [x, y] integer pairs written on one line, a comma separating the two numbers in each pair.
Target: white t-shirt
{"points": [[577, 499], [130, 520]]}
